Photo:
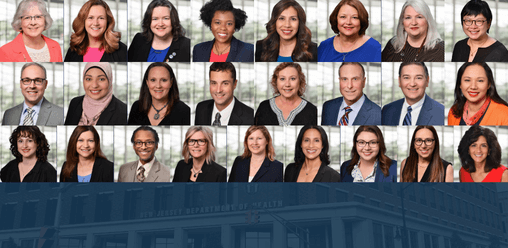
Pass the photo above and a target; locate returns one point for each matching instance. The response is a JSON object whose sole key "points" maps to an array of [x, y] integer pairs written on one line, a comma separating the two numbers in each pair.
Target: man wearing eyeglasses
{"points": [[35, 110], [145, 142]]}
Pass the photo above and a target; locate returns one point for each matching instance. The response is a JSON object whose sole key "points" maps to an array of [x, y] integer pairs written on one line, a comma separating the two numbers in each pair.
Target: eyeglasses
{"points": [[146, 143], [37, 81], [200, 142], [478, 23], [29, 18], [428, 142], [363, 143]]}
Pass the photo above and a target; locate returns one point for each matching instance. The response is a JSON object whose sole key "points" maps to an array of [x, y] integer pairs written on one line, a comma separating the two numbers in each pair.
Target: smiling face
{"points": [[223, 26], [34, 26], [195, 150], [222, 87], [474, 83], [287, 24], [161, 22], [479, 150], [33, 93], [352, 83], [288, 82], [475, 32], [145, 152], [367, 153], [27, 147], [413, 82], [96, 84], [96, 22], [424, 151], [257, 143], [159, 83], [312, 144], [85, 145], [348, 21], [415, 23]]}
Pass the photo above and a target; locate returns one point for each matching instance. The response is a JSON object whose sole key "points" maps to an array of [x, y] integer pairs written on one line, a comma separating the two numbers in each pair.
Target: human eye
{"points": [[405, 77], [355, 17], [419, 77], [230, 24], [166, 18], [217, 22], [294, 19], [484, 145], [293, 79], [342, 16], [281, 18], [20, 140]]}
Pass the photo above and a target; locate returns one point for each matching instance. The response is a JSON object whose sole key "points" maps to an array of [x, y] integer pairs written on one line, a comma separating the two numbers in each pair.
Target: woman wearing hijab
{"points": [[98, 106]]}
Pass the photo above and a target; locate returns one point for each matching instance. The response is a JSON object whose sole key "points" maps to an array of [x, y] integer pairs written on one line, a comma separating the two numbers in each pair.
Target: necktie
{"points": [[28, 121], [141, 174], [407, 119], [216, 122], [344, 121]]}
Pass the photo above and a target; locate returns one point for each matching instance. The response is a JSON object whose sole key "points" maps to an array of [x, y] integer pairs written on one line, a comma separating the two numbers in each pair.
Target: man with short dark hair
{"points": [[145, 141], [224, 109], [416, 108], [353, 108], [35, 109]]}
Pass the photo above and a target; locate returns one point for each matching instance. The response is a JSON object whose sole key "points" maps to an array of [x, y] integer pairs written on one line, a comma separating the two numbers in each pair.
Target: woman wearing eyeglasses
{"points": [[476, 19], [368, 160], [198, 164], [424, 163], [30, 20]]}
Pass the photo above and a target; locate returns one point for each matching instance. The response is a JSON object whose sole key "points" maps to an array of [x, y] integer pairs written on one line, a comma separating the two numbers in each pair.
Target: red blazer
{"points": [[496, 115], [15, 50]]}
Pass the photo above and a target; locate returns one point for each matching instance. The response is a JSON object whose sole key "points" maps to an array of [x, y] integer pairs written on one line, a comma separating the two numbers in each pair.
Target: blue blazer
{"points": [[369, 114], [432, 113], [380, 177], [270, 171], [239, 52]]}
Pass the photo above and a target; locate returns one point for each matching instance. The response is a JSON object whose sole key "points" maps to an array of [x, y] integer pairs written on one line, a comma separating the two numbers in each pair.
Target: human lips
{"points": [[286, 31], [32, 92], [95, 92], [222, 35], [473, 93], [25, 150]]}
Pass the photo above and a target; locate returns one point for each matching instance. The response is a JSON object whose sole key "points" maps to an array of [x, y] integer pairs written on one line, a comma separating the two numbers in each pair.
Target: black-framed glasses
{"points": [[35, 17], [201, 142], [363, 143], [147, 143], [428, 142], [37, 81], [478, 23]]}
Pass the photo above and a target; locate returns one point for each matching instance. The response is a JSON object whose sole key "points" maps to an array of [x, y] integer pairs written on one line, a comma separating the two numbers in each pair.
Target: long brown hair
{"points": [[72, 154], [79, 39], [269, 150], [145, 98], [436, 164], [384, 161]]}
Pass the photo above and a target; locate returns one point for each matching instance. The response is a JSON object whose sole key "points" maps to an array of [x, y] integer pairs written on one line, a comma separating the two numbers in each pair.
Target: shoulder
{"points": [[434, 102], [327, 42], [182, 163], [135, 106], [291, 167], [344, 165], [330, 171], [118, 102], [127, 165], [206, 103], [122, 46], [335, 101], [394, 104], [18, 107], [217, 167], [243, 45], [50, 42], [139, 38], [181, 106], [259, 45], [48, 168], [104, 162], [371, 103], [243, 106], [203, 45], [461, 43], [76, 100], [264, 104], [276, 163]]}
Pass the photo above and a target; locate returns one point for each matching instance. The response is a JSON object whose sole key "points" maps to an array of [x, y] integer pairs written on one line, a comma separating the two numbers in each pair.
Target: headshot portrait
{"points": [[32, 94]]}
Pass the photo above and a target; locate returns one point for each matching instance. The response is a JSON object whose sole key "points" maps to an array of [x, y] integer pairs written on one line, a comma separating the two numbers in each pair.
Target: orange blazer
{"points": [[15, 50], [496, 115]]}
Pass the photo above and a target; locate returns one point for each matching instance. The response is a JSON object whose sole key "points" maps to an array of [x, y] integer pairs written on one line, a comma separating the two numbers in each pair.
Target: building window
{"points": [[27, 243], [72, 242], [458, 207], [112, 241], [441, 201], [387, 188], [7, 215], [378, 235], [432, 198], [389, 236], [413, 239], [450, 204], [49, 217], [103, 207], [258, 239], [423, 198], [322, 194], [341, 196], [12, 188], [29, 214], [193, 195], [163, 197], [78, 203], [130, 206]]}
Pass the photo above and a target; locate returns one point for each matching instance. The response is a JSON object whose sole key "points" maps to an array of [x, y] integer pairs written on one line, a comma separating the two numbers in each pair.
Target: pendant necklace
{"points": [[195, 173], [418, 53], [344, 56], [217, 48], [156, 115]]}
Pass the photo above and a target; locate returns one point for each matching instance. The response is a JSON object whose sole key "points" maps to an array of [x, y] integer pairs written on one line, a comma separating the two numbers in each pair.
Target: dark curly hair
{"points": [[176, 28], [300, 157], [301, 77], [272, 42], [460, 99], [494, 156], [30, 132], [208, 11], [145, 98]]}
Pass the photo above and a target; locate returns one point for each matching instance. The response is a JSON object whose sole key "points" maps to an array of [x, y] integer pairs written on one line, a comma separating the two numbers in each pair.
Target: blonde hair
{"points": [[210, 151]]}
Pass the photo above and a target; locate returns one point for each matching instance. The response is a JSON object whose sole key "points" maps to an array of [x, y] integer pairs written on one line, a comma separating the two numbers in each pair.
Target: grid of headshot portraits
{"points": [[253, 91]]}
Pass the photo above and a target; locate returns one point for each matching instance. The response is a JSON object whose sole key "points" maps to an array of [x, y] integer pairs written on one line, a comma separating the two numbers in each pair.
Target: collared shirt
{"points": [[225, 114], [147, 166], [417, 107], [355, 107], [357, 174], [36, 108]]}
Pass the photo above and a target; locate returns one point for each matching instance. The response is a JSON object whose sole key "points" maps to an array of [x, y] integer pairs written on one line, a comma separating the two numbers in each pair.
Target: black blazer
{"points": [[312, 49], [41, 172], [325, 174], [210, 172], [180, 115], [270, 171], [240, 115], [114, 114], [103, 171], [140, 49], [239, 51], [120, 55]]}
